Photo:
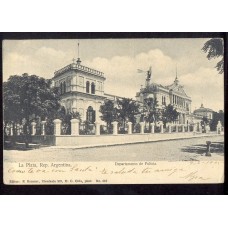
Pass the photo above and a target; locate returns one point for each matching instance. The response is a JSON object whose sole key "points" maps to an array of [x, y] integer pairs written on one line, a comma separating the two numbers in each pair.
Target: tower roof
{"points": [[202, 109], [79, 67]]}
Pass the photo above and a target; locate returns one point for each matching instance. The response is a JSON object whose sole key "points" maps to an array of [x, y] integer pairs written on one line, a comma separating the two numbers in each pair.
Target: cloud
{"points": [[203, 84], [121, 71], [43, 62], [14, 63]]}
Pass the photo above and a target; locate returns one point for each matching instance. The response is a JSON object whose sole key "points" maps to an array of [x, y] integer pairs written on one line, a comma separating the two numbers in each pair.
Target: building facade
{"points": [[204, 112], [82, 90], [173, 94]]}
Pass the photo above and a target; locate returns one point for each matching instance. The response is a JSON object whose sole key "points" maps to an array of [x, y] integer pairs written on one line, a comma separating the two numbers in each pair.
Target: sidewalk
{"points": [[163, 137]]}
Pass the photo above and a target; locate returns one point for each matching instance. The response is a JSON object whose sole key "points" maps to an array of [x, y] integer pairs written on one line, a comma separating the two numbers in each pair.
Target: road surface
{"points": [[174, 150]]}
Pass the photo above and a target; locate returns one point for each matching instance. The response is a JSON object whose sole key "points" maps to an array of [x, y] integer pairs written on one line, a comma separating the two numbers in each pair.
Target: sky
{"points": [[119, 59]]}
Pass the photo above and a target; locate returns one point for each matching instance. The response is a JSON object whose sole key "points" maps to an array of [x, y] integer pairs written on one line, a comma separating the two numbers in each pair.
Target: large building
{"points": [[204, 112], [82, 90], [173, 94]]}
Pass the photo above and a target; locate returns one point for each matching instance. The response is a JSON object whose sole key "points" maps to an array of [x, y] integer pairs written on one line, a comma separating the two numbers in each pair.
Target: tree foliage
{"points": [[151, 111], [169, 114], [127, 109], [217, 116], [108, 112], [124, 110], [28, 97], [215, 49]]}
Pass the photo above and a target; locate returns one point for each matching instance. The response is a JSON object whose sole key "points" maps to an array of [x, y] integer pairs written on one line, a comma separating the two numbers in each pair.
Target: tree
{"points": [[28, 97], [108, 112], [214, 49], [204, 123], [217, 116], [169, 114], [151, 111], [127, 109]]}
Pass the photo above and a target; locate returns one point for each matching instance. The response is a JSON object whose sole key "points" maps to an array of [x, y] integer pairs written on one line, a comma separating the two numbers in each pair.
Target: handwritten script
{"points": [[113, 172]]}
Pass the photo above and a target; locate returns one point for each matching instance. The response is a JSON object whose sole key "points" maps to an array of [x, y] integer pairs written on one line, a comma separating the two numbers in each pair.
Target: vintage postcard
{"points": [[113, 111]]}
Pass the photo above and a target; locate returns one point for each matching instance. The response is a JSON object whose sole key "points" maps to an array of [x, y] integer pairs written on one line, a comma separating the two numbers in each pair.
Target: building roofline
{"points": [[79, 67]]}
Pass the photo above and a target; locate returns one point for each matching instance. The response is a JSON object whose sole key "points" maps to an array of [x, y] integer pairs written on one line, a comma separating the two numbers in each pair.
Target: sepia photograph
{"points": [[113, 111]]}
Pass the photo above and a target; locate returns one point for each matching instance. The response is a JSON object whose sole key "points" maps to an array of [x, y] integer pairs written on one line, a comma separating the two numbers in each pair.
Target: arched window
{"points": [[90, 115], [64, 87], [87, 86], [93, 88]]}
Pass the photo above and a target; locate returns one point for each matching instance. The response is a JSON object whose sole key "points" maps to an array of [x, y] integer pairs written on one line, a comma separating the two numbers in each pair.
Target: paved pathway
{"points": [[173, 150]]}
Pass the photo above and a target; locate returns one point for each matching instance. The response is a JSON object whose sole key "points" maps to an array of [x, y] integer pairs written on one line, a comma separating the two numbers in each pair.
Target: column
{"points": [[33, 128], [98, 128], [142, 127], [152, 128], [115, 129], [74, 126], [161, 127], [43, 127], [188, 127], [129, 127], [57, 127], [183, 130]]}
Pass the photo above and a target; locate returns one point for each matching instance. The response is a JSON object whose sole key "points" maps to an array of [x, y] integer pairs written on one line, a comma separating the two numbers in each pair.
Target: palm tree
{"points": [[214, 49]]}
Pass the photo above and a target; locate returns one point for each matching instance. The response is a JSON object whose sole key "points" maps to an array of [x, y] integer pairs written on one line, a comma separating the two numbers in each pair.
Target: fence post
{"points": [[57, 127], [200, 128], [33, 128], [162, 128], [129, 128], [11, 130], [219, 127], [43, 127], [115, 129], [74, 126], [183, 130], [177, 126], [97, 126], [142, 127], [170, 128], [152, 128], [194, 127]]}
